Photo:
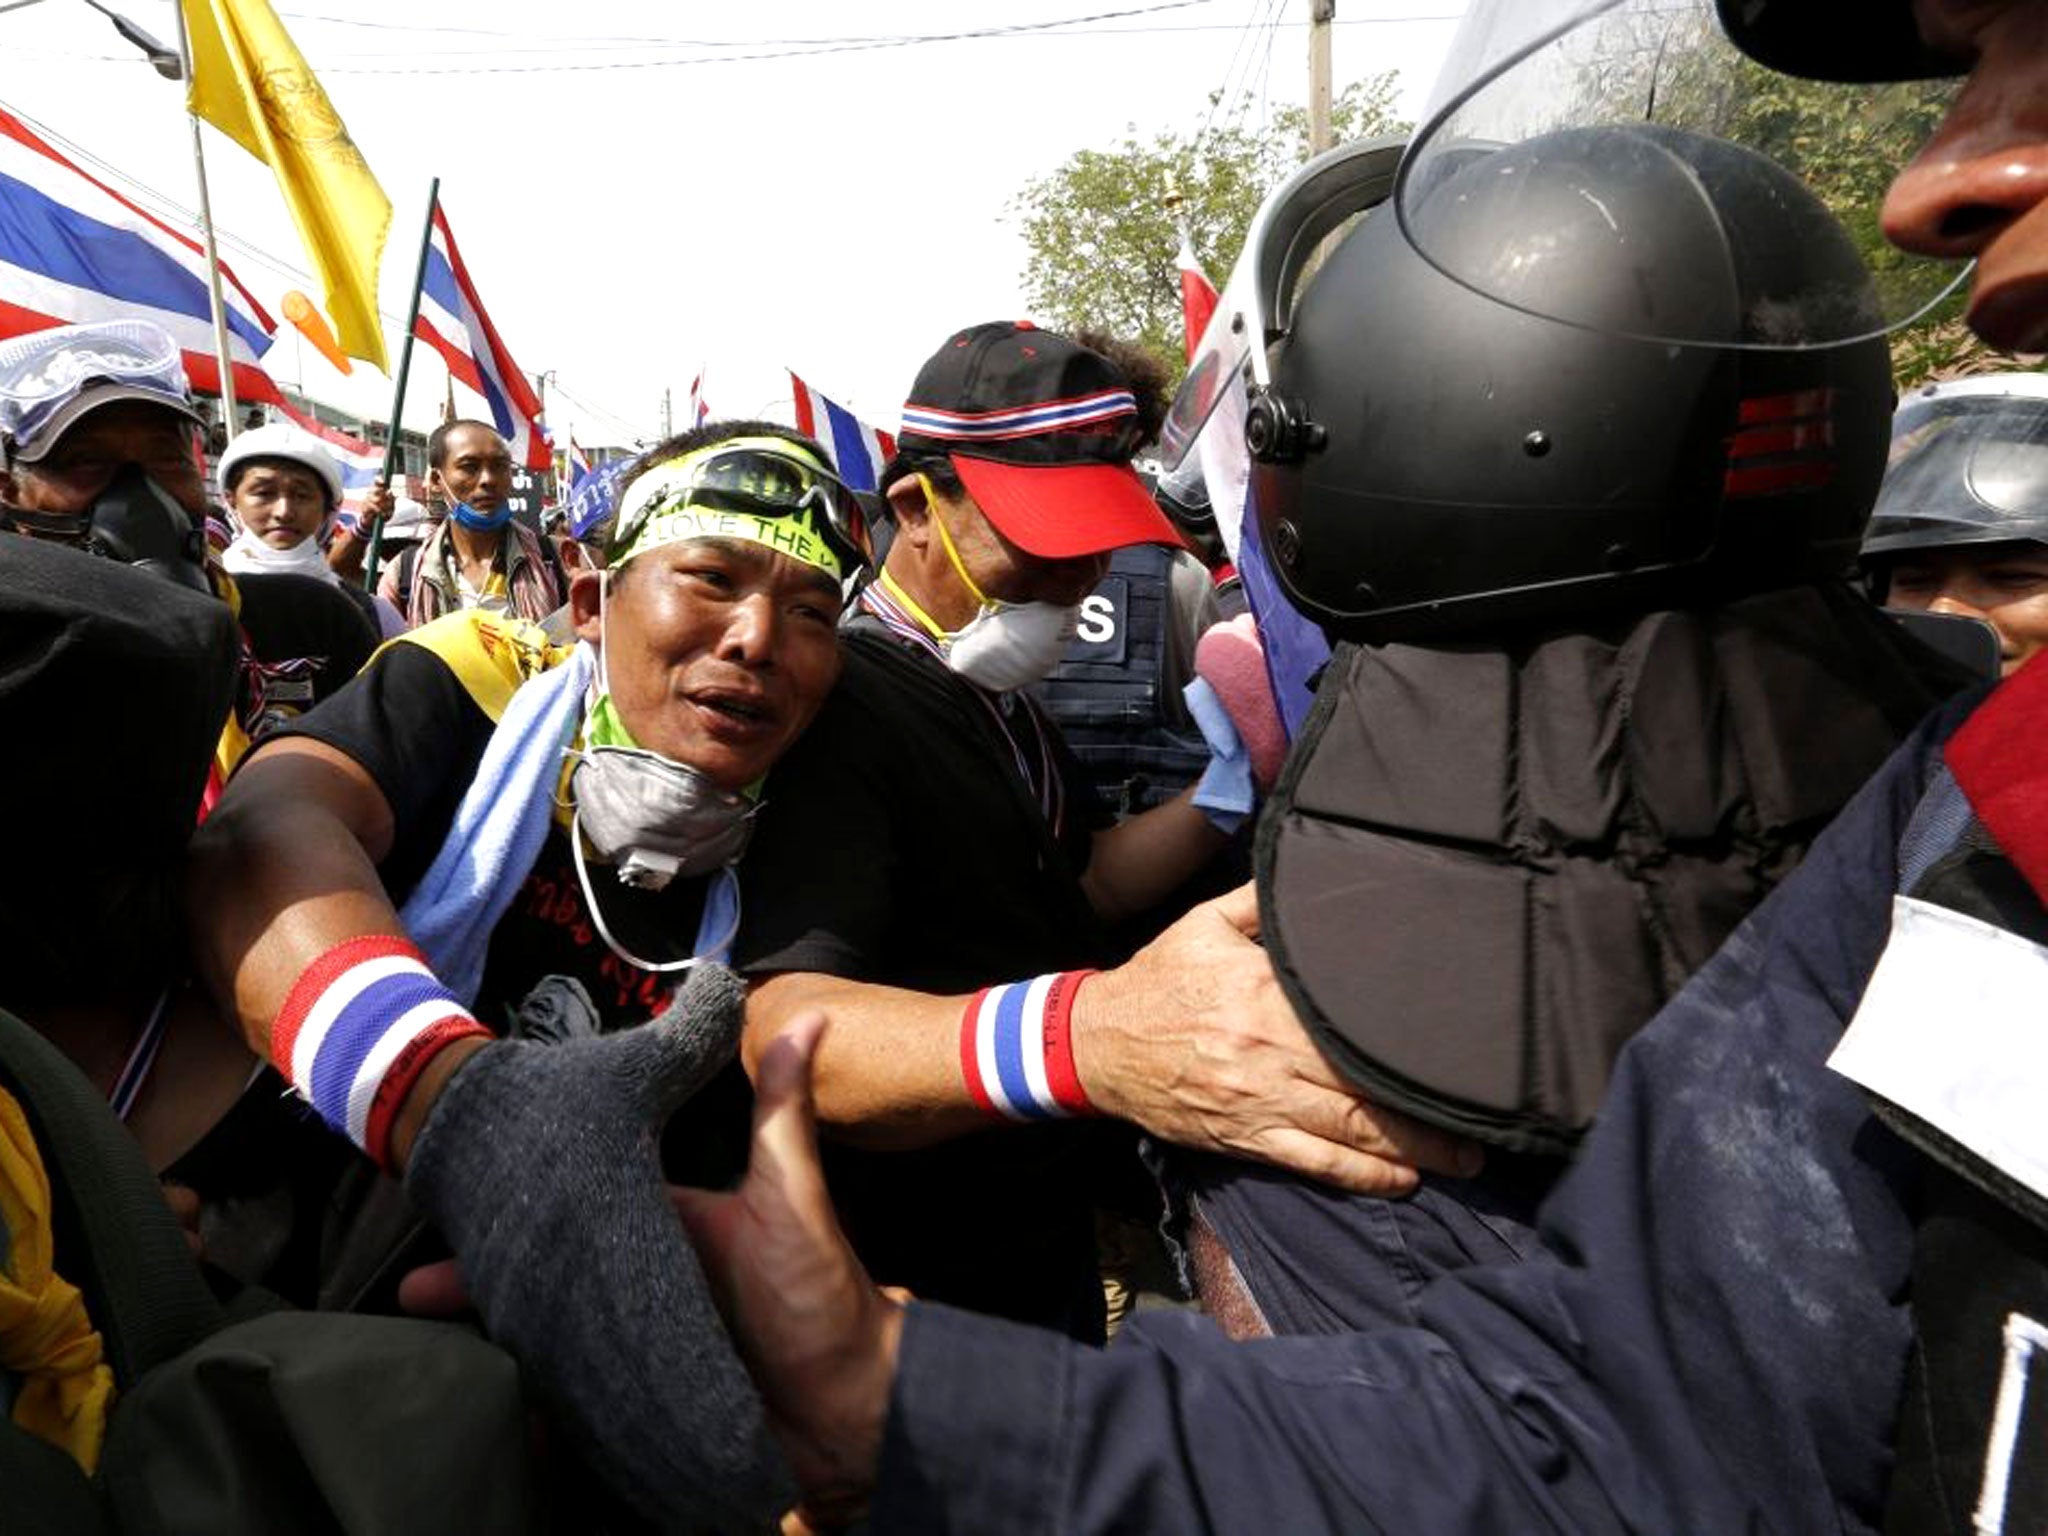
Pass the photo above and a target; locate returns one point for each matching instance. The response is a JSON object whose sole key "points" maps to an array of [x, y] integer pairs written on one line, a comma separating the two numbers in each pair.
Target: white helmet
{"points": [[290, 442]]}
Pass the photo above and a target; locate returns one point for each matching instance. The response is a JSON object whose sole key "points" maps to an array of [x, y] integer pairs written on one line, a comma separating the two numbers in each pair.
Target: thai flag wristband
{"points": [[359, 1027], [1017, 1049]]}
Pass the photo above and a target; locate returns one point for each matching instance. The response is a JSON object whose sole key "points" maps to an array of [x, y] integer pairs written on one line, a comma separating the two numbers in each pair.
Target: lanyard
{"points": [[141, 1058]]}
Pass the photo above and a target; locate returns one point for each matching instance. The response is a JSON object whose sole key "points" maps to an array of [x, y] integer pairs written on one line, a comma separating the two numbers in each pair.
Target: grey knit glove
{"points": [[540, 1164]]}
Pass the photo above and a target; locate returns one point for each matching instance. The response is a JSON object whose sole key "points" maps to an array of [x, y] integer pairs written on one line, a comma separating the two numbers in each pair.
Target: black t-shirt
{"points": [[899, 844], [310, 638], [412, 723]]}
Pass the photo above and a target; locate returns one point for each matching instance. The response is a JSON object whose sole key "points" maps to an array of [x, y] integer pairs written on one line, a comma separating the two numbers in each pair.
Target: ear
{"points": [[586, 597], [913, 513]]}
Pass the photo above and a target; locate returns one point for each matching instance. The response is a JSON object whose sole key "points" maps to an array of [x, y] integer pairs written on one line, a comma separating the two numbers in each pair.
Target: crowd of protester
{"points": [[735, 1009]]}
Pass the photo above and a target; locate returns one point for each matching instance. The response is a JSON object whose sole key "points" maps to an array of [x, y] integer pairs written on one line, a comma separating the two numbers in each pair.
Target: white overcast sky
{"points": [[628, 220]]}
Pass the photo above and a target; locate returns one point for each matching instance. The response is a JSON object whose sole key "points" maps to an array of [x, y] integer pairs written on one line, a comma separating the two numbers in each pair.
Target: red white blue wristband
{"points": [[1017, 1049], [357, 1029]]}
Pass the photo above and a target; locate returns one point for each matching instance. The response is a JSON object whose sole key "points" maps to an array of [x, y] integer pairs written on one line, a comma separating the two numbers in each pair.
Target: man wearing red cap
{"points": [[971, 876]]}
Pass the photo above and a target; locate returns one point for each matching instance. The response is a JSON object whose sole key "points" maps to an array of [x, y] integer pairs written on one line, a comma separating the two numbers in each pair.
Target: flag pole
{"points": [[412, 315], [223, 358]]}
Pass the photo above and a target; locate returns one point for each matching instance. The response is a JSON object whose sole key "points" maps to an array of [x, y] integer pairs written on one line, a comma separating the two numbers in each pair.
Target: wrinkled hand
{"points": [[818, 1337], [1193, 1039]]}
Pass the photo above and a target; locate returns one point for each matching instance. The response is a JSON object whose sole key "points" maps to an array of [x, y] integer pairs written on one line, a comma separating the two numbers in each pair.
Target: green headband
{"points": [[663, 493]]}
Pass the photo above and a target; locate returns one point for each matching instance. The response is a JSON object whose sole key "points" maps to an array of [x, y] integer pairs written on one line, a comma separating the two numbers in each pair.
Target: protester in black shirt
{"points": [[935, 836]]}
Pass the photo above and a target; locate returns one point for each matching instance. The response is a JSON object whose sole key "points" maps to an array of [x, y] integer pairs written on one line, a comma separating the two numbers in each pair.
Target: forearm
{"points": [[888, 1071], [278, 877], [995, 1428], [345, 556], [1138, 863], [274, 884]]}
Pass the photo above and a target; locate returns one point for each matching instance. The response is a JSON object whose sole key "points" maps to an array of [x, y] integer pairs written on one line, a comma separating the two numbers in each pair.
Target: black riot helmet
{"points": [[1429, 458], [1969, 465]]}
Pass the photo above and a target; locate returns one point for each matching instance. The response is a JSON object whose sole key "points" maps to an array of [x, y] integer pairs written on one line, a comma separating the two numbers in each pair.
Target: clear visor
{"points": [[1217, 369], [1523, 74], [1979, 462]]}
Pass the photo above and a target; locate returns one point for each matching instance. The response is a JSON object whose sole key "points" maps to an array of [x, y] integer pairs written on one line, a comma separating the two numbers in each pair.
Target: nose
{"points": [[1985, 170], [1966, 188], [1957, 604], [751, 626]]}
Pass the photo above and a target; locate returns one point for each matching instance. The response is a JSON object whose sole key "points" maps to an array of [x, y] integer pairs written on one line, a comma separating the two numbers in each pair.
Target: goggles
{"points": [[47, 376], [764, 490]]}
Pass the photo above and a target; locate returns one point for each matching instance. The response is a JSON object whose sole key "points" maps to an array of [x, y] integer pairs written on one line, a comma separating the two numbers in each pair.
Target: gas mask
{"points": [[135, 521]]}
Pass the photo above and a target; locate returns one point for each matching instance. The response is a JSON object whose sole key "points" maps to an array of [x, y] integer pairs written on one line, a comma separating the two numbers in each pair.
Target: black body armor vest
{"points": [[1486, 866], [1114, 696]]}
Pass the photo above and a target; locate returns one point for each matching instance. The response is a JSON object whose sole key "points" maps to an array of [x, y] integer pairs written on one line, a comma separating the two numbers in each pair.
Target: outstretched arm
{"points": [[283, 872], [1191, 1039]]}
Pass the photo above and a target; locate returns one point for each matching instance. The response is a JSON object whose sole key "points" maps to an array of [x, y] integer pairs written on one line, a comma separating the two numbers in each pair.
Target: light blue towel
{"points": [[499, 827], [1225, 793]]}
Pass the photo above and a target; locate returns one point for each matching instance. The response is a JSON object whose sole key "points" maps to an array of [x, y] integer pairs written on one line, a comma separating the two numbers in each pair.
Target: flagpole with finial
{"points": [[412, 316], [224, 359]]}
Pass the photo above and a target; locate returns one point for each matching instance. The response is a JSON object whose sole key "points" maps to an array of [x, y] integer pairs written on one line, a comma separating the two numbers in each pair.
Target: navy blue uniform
{"points": [[1710, 1337]]}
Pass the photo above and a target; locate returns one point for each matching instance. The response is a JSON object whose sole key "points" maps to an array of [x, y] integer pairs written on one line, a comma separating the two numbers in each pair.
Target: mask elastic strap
{"points": [[930, 625], [931, 502], [727, 884]]}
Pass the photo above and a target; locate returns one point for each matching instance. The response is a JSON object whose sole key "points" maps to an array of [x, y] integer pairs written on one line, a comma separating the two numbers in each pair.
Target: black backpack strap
{"points": [[116, 1239], [408, 567]]}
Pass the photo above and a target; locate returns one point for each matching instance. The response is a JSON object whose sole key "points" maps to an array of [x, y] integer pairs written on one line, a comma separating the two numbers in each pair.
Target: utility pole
{"points": [[668, 426], [1320, 15]]}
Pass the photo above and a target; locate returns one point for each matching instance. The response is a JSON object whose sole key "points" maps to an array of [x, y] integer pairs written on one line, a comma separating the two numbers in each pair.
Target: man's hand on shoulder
{"points": [[1193, 1039]]}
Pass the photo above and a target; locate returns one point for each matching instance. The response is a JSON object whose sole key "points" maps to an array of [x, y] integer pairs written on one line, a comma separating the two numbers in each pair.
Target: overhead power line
{"points": [[1012, 29]]}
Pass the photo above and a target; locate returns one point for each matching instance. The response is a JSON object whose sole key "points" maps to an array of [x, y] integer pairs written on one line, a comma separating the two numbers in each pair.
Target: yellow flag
{"points": [[250, 82]]}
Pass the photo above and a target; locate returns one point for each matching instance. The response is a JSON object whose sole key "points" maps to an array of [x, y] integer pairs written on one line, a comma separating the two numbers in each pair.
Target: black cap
{"points": [[1860, 42], [1041, 431]]}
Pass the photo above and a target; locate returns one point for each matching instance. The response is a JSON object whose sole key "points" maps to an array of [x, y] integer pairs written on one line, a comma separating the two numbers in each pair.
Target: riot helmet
{"points": [[1429, 457], [1519, 72], [1969, 465]]}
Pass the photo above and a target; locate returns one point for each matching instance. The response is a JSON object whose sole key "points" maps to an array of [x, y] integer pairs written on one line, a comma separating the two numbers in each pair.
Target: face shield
{"points": [[1969, 465], [1524, 79]]}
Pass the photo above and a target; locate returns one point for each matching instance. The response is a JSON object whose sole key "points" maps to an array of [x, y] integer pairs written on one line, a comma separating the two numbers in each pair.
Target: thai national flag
{"points": [[1197, 296], [361, 462], [74, 250], [452, 321], [576, 464], [858, 450]]}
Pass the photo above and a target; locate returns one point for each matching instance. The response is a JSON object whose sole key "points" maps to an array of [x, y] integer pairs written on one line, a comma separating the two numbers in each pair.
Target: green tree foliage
{"points": [[1101, 240]]}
